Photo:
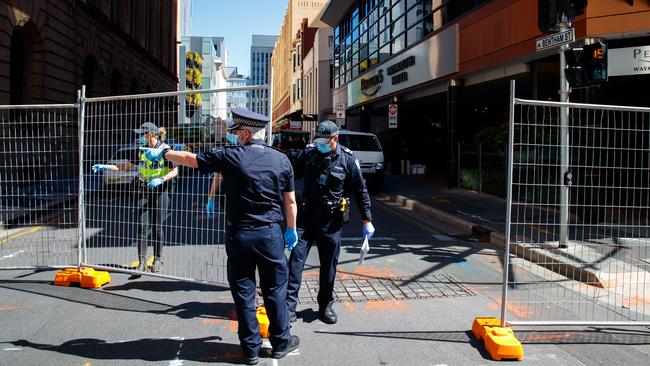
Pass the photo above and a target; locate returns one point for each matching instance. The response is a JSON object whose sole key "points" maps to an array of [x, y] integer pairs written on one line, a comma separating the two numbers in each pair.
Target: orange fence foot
{"points": [[263, 319], [86, 277], [500, 342]]}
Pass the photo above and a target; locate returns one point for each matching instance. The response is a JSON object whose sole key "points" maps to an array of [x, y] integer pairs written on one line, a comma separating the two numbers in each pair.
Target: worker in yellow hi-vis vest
{"points": [[153, 194]]}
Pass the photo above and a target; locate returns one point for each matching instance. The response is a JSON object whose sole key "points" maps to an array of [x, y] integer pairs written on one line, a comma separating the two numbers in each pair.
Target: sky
{"points": [[236, 21]]}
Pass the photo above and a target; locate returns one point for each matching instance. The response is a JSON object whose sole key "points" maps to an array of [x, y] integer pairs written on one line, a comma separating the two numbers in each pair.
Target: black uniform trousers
{"points": [[260, 247], [152, 210], [325, 231]]}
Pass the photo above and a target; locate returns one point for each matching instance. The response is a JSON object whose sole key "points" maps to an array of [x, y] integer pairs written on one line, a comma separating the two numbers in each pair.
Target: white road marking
{"points": [[475, 216], [177, 361], [11, 255], [13, 349]]}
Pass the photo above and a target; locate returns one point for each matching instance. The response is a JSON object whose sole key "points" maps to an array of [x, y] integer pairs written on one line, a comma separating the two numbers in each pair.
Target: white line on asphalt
{"points": [[13, 349], [11, 255], [475, 216], [177, 361], [377, 238]]}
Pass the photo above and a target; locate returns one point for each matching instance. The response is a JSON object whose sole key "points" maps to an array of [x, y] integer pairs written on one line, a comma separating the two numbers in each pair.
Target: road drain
{"points": [[377, 289]]}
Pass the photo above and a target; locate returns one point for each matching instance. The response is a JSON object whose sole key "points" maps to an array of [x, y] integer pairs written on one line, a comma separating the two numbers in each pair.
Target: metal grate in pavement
{"points": [[377, 289]]}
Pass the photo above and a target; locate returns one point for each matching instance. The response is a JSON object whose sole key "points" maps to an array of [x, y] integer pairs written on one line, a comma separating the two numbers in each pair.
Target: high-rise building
{"points": [[185, 23], [261, 51], [213, 54], [238, 99]]}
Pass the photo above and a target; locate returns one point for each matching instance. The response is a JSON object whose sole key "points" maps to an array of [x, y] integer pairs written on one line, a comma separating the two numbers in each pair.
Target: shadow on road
{"points": [[207, 349], [112, 301]]}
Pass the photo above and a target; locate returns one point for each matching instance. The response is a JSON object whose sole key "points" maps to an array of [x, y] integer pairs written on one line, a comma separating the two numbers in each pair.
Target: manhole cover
{"points": [[376, 289]]}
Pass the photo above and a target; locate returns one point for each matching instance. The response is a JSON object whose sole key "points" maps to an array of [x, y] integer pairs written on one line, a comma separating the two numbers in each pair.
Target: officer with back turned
{"points": [[331, 174], [259, 184]]}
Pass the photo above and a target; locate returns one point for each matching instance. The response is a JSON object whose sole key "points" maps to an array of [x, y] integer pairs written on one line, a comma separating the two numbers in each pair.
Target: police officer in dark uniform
{"points": [[259, 185], [331, 174]]}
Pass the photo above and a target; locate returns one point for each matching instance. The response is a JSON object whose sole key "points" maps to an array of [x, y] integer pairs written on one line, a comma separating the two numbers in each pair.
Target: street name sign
{"points": [[556, 39]]}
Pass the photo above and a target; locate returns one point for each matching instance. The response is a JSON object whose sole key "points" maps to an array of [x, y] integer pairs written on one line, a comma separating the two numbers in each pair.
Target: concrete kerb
{"points": [[527, 252]]}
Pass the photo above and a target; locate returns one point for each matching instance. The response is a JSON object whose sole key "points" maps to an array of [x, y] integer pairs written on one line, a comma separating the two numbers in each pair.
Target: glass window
{"points": [[397, 10], [397, 44], [410, 3], [363, 65], [372, 46], [397, 27], [355, 34], [384, 22], [383, 7], [348, 75], [363, 52], [374, 59], [384, 53], [414, 34], [206, 47], [427, 24], [384, 37], [373, 30], [414, 15]]}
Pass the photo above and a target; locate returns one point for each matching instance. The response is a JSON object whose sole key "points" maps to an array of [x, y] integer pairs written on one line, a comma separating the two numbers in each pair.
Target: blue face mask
{"points": [[143, 140], [232, 138], [324, 148]]}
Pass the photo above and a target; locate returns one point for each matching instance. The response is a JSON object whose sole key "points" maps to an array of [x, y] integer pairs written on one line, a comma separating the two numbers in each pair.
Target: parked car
{"points": [[120, 178], [368, 151], [291, 142]]}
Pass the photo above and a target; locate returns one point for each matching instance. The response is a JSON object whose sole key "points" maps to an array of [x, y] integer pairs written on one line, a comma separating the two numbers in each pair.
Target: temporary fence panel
{"points": [[127, 219], [600, 274], [39, 186]]}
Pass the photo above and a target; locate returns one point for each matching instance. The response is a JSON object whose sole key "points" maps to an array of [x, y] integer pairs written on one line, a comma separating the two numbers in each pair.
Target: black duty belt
{"points": [[250, 226]]}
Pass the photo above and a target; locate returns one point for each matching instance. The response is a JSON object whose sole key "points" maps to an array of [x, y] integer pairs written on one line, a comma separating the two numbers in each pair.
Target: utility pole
{"points": [[564, 142]]}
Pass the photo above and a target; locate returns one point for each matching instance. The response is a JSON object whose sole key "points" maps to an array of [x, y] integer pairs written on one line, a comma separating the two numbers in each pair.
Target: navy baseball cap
{"points": [[148, 127], [246, 118], [325, 131]]}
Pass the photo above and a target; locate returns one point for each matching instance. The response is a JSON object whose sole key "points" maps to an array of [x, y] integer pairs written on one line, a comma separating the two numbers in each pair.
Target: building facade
{"points": [[236, 99], [260, 70], [213, 70], [445, 67], [286, 62], [317, 78], [50, 48]]}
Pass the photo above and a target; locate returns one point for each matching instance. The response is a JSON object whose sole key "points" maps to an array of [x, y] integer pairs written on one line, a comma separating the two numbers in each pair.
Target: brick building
{"points": [[49, 48]]}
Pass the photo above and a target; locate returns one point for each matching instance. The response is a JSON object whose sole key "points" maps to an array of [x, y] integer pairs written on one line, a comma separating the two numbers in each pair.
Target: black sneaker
{"points": [[327, 316], [293, 345], [251, 360], [292, 316]]}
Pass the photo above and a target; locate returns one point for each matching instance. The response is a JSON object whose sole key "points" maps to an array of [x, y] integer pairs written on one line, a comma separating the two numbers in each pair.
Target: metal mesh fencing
{"points": [[39, 186], [598, 273], [168, 226]]}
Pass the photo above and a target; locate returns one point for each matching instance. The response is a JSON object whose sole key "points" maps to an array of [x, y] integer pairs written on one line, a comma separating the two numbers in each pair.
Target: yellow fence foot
{"points": [[86, 277], [263, 319], [500, 342]]}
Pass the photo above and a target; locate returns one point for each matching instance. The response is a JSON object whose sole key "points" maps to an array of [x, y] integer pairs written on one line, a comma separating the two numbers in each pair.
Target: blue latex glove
{"points": [[156, 182], [291, 237], [153, 154], [209, 207], [99, 168], [368, 230]]}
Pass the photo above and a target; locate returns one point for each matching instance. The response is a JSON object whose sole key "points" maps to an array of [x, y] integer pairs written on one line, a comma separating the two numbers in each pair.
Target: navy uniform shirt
{"points": [[255, 177], [343, 175]]}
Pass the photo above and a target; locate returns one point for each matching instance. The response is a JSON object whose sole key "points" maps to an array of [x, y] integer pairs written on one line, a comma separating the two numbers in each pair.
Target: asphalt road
{"points": [[444, 281]]}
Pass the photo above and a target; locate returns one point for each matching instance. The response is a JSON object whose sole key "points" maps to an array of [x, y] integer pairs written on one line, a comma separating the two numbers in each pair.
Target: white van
{"points": [[367, 149]]}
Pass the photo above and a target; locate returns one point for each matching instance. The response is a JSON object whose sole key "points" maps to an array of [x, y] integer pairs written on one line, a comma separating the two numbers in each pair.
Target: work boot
{"points": [[142, 267], [292, 316], [327, 315], [292, 346], [157, 265]]}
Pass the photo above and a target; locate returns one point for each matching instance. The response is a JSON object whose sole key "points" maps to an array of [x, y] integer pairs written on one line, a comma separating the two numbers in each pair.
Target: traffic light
{"points": [[594, 62], [587, 65], [549, 12], [548, 15], [572, 8]]}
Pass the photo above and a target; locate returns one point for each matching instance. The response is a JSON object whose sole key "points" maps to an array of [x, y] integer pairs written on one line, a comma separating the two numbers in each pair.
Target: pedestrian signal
{"points": [[587, 65]]}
